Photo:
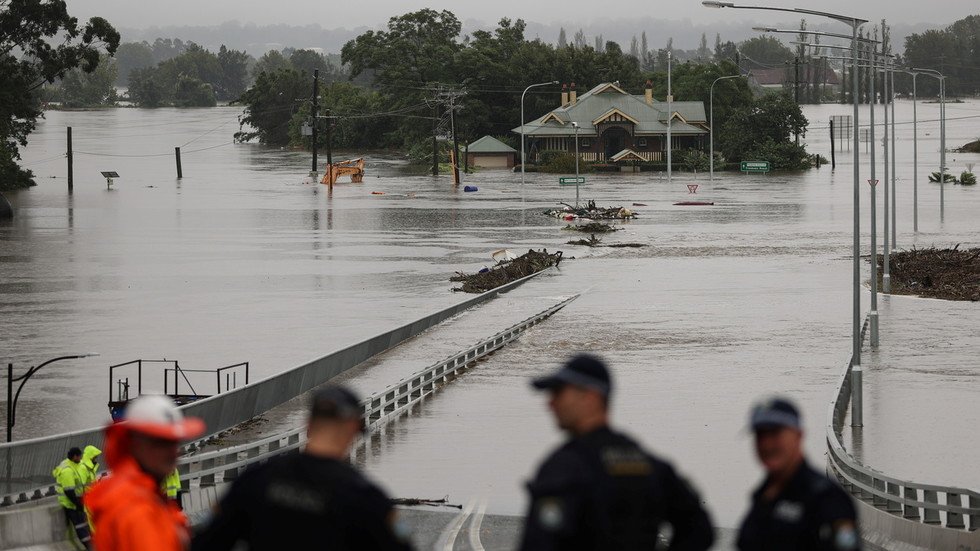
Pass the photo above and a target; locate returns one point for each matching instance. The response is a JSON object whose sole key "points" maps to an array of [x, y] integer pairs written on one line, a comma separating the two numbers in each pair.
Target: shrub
{"points": [[968, 179]]}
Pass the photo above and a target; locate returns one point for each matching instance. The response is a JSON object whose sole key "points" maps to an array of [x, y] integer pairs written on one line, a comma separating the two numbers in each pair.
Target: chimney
{"points": [[572, 95], [564, 95], [649, 93]]}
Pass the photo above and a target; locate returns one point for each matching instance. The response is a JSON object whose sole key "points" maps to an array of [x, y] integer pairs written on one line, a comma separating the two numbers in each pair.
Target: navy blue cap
{"points": [[775, 413], [583, 370], [335, 402]]}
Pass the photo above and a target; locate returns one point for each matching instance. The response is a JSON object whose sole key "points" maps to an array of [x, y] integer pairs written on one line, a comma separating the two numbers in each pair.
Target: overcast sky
{"points": [[373, 13]]}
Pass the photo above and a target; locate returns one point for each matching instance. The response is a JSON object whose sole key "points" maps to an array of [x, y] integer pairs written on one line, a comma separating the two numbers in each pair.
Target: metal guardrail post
{"points": [[975, 517], [232, 472], [877, 500], [911, 512], [954, 520], [208, 479], [930, 515], [894, 507]]}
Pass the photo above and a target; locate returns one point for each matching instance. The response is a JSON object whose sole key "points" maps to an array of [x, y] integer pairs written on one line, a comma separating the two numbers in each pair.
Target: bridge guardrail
{"points": [[26, 465], [207, 467], [945, 506]]}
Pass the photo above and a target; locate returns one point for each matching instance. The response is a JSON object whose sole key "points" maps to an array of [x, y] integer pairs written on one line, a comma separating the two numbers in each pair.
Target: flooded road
{"points": [[242, 261]]}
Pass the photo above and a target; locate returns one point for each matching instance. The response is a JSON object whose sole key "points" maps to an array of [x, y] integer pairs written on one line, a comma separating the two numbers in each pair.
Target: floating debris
{"points": [[592, 227], [626, 245], [415, 501], [592, 241], [506, 271], [569, 213], [949, 274]]}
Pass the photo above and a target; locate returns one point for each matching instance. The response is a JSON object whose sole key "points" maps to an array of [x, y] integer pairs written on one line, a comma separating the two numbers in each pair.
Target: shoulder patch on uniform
{"points": [[551, 514], [845, 536]]}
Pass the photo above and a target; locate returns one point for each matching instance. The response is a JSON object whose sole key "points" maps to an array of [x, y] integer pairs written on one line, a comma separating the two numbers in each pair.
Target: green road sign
{"points": [[571, 181], [755, 166]]}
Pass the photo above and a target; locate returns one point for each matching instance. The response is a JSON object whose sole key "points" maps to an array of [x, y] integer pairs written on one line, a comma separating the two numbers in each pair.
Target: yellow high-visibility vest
{"points": [[66, 477]]}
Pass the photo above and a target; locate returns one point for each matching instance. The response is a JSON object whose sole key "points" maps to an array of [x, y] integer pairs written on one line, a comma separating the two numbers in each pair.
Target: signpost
{"points": [[571, 181], [755, 166]]}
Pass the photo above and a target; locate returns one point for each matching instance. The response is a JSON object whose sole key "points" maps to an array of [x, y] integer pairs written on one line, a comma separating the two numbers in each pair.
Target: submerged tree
{"points": [[39, 43]]}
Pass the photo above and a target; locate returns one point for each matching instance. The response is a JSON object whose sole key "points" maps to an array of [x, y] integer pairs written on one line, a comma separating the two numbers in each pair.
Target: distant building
{"points": [[615, 125], [783, 78], [489, 152]]}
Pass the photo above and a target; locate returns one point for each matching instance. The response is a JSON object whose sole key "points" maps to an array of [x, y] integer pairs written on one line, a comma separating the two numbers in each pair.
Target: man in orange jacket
{"points": [[128, 509]]}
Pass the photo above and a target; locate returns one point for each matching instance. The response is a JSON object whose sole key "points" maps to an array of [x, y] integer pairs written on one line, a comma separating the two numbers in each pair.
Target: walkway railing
{"points": [[211, 467], [949, 507], [26, 465]]}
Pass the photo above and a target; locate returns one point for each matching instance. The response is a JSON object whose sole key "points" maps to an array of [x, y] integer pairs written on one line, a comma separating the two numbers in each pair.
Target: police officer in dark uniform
{"points": [[601, 490], [309, 500], [795, 507]]}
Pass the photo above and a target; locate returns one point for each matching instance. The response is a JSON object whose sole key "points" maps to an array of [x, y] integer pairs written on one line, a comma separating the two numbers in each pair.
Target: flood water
{"points": [[243, 261]]}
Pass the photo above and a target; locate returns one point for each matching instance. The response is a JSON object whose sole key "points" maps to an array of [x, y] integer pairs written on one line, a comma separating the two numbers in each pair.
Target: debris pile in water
{"points": [[509, 270], [592, 227], [949, 274], [592, 241], [569, 213]]}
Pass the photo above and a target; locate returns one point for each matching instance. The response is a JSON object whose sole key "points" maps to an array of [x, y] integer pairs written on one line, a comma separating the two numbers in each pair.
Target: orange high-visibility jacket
{"points": [[129, 511]]}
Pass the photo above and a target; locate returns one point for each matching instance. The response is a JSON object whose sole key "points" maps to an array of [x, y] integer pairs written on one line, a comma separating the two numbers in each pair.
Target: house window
{"points": [[586, 143], [642, 142]]}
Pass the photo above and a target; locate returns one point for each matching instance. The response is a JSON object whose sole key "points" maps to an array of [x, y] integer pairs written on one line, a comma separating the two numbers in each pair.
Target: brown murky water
{"points": [[242, 261]]}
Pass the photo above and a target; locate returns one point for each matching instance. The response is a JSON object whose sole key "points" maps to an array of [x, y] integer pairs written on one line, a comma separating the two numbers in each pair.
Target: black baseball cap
{"points": [[583, 370], [336, 402], [775, 413]]}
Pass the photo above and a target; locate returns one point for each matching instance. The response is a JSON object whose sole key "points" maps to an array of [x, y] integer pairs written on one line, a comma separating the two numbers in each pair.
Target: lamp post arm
{"points": [[26, 376]]}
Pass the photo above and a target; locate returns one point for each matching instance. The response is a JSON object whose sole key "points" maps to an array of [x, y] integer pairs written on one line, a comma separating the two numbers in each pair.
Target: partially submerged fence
{"points": [[944, 506], [27, 464]]}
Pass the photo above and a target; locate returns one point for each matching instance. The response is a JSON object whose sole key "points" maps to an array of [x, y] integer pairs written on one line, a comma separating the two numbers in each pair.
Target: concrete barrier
{"points": [[35, 526], [883, 531]]}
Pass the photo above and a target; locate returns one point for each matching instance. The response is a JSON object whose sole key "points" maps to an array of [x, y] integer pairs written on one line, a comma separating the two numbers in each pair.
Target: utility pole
{"points": [[452, 124], [71, 170], [435, 142], [329, 139], [796, 90], [316, 104]]}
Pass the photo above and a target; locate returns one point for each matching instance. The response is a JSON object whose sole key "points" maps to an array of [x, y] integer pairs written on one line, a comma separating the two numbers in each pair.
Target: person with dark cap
{"points": [[311, 500], [601, 490], [795, 507], [69, 484]]}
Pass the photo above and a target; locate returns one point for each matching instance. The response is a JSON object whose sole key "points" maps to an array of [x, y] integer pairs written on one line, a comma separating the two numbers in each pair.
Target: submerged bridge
{"points": [[895, 513]]}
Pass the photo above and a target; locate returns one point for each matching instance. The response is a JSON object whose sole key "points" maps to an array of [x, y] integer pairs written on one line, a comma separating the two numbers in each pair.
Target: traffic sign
{"points": [[571, 181], [755, 166], [873, 182], [692, 188]]}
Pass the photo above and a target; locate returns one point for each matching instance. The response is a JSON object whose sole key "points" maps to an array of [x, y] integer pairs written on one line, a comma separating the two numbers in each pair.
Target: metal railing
{"points": [[211, 467], [946, 506], [26, 465]]}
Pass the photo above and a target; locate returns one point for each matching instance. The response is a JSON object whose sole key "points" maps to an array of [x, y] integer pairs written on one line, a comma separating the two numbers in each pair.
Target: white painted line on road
{"points": [[447, 539], [475, 523]]}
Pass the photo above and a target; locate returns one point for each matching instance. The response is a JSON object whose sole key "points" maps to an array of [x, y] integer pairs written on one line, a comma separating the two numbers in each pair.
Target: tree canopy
{"points": [[39, 43]]}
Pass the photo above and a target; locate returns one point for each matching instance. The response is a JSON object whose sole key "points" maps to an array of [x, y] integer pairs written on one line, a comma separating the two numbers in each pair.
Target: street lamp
{"points": [[670, 120], [857, 398], [12, 398], [942, 135], [575, 126], [711, 124], [523, 149]]}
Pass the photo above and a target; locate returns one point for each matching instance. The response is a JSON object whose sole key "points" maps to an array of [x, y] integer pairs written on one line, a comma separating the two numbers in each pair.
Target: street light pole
{"points": [[575, 125], [891, 77], [857, 396], [670, 119], [711, 124], [12, 398], [942, 134], [523, 149], [915, 157], [886, 278]]}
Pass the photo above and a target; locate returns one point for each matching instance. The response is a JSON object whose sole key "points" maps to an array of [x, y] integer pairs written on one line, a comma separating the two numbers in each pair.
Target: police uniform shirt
{"points": [[811, 513], [302, 502], [602, 491]]}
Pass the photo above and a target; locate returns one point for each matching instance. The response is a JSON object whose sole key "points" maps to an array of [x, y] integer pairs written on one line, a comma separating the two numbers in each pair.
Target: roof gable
{"points": [[489, 144], [614, 111]]}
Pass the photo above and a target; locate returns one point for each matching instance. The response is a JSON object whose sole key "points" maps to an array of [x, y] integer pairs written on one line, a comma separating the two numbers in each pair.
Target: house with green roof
{"points": [[614, 125], [489, 152]]}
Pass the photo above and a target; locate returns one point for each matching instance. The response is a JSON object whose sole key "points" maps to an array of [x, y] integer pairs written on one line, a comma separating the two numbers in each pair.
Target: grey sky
{"points": [[576, 13]]}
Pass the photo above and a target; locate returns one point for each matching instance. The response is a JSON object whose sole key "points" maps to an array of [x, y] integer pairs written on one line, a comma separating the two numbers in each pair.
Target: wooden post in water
{"points": [[833, 156], [71, 175], [180, 171]]}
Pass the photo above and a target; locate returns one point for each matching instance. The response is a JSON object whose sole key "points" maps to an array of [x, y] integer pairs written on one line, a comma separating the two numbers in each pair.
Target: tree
{"points": [[193, 92], [763, 51], [130, 56], [270, 104], [39, 43], [562, 39], [81, 89], [646, 59], [145, 89], [270, 62], [234, 73], [309, 60], [763, 131], [704, 54], [579, 39]]}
